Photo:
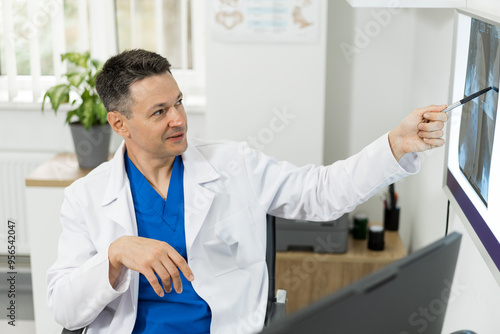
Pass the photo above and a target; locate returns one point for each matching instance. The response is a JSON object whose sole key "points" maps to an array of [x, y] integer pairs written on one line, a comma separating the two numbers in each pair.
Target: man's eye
{"points": [[158, 112], [179, 102]]}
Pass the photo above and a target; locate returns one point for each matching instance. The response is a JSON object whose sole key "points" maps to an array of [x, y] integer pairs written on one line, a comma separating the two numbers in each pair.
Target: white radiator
{"points": [[14, 168]]}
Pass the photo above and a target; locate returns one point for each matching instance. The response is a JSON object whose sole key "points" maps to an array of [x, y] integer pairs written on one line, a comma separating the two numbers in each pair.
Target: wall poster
{"points": [[265, 21]]}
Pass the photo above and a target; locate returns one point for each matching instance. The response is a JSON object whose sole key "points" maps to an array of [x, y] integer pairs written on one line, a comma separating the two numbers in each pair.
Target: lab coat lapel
{"points": [[197, 199], [117, 202]]}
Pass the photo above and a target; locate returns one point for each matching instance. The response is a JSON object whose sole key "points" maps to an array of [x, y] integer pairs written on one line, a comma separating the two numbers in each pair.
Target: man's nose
{"points": [[176, 118]]}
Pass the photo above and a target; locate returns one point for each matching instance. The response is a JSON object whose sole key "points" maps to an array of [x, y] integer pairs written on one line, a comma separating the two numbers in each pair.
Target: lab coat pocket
{"points": [[236, 244]]}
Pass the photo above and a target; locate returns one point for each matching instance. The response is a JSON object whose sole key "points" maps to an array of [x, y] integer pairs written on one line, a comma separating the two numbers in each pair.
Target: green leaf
{"points": [[90, 110], [86, 95], [75, 79], [91, 81], [69, 115], [97, 64], [58, 95], [86, 110], [88, 117], [79, 59], [101, 112]]}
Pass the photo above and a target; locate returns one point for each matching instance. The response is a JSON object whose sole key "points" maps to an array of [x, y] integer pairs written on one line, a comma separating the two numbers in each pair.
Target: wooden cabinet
{"points": [[308, 276]]}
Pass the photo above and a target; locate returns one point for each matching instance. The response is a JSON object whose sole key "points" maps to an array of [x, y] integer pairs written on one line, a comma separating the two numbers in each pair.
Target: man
{"points": [[170, 238]]}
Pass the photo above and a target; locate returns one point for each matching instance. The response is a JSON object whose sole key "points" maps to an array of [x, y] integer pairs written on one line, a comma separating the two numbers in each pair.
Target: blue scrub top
{"points": [[164, 220]]}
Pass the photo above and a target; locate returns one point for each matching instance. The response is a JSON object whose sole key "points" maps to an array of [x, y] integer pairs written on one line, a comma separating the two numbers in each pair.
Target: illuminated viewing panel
{"points": [[477, 125], [472, 171]]}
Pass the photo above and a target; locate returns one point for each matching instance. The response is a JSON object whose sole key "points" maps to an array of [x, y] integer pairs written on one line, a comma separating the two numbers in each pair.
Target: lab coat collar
{"points": [[117, 201], [199, 169], [198, 199], [117, 176]]}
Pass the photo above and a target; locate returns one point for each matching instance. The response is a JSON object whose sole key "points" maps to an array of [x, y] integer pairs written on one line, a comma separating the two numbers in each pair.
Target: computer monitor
{"points": [[405, 297], [472, 167]]}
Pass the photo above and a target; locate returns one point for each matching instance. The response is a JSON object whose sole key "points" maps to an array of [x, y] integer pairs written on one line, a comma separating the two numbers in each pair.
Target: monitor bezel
{"points": [[484, 239]]}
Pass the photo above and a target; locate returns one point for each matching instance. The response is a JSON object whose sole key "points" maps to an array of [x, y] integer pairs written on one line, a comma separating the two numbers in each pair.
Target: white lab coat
{"points": [[228, 189]]}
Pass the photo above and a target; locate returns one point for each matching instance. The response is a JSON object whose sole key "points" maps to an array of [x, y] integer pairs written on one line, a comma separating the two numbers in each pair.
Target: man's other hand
{"points": [[149, 257]]}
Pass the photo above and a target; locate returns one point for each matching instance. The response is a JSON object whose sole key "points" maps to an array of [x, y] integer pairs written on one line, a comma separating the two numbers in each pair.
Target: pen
{"points": [[468, 98]]}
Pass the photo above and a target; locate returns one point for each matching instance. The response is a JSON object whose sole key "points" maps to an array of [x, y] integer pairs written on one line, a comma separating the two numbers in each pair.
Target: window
{"points": [[34, 33], [173, 28], [168, 33]]}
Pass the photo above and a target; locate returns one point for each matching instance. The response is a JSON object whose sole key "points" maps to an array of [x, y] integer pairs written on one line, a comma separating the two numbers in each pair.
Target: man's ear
{"points": [[118, 123]]}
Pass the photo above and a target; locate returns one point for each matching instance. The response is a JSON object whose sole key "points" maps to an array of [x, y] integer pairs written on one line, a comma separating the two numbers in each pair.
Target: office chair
{"points": [[76, 331], [276, 304]]}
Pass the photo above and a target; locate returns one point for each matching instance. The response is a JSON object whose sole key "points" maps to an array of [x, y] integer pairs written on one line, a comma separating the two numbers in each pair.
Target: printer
{"points": [[320, 237]]}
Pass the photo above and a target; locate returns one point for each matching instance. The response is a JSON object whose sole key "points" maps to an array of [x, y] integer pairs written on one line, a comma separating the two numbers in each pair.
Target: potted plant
{"points": [[88, 120]]}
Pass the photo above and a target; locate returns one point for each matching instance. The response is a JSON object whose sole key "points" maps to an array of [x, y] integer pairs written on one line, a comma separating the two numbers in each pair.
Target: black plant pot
{"points": [[91, 146]]}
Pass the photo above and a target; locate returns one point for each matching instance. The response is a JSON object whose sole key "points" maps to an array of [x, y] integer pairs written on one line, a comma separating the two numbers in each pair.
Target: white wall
{"points": [[487, 6], [429, 84], [379, 70], [248, 85], [405, 64]]}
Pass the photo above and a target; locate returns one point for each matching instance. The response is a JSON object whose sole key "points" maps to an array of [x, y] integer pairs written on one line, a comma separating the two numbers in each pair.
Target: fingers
{"points": [[433, 143], [433, 122], [156, 260], [431, 135], [432, 130], [432, 108], [153, 281], [431, 126], [181, 263], [164, 274], [168, 271], [436, 116], [173, 274]]}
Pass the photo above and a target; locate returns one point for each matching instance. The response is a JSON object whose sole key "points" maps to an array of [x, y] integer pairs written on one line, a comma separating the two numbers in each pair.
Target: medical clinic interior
{"points": [[292, 87]]}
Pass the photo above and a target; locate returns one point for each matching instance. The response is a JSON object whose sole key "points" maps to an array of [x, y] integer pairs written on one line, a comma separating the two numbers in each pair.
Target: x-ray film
{"points": [[477, 126]]}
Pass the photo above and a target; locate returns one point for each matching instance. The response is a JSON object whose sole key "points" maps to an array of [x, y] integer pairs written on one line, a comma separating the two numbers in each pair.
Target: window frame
{"points": [[103, 44]]}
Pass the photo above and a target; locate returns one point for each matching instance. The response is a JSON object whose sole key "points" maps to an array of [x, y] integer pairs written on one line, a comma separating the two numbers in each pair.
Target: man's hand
{"points": [[421, 130], [149, 257]]}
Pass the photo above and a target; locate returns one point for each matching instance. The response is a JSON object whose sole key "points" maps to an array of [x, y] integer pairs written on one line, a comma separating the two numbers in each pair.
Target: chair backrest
{"points": [[271, 259], [276, 299]]}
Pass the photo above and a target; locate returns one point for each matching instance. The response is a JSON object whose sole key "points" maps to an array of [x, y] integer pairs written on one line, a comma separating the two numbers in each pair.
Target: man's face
{"points": [[158, 125]]}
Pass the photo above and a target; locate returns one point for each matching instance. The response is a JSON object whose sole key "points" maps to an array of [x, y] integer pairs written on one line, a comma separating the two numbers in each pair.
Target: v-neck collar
{"points": [[169, 210]]}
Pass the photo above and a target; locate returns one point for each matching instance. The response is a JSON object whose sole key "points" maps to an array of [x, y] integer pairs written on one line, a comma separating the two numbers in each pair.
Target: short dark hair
{"points": [[121, 71]]}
